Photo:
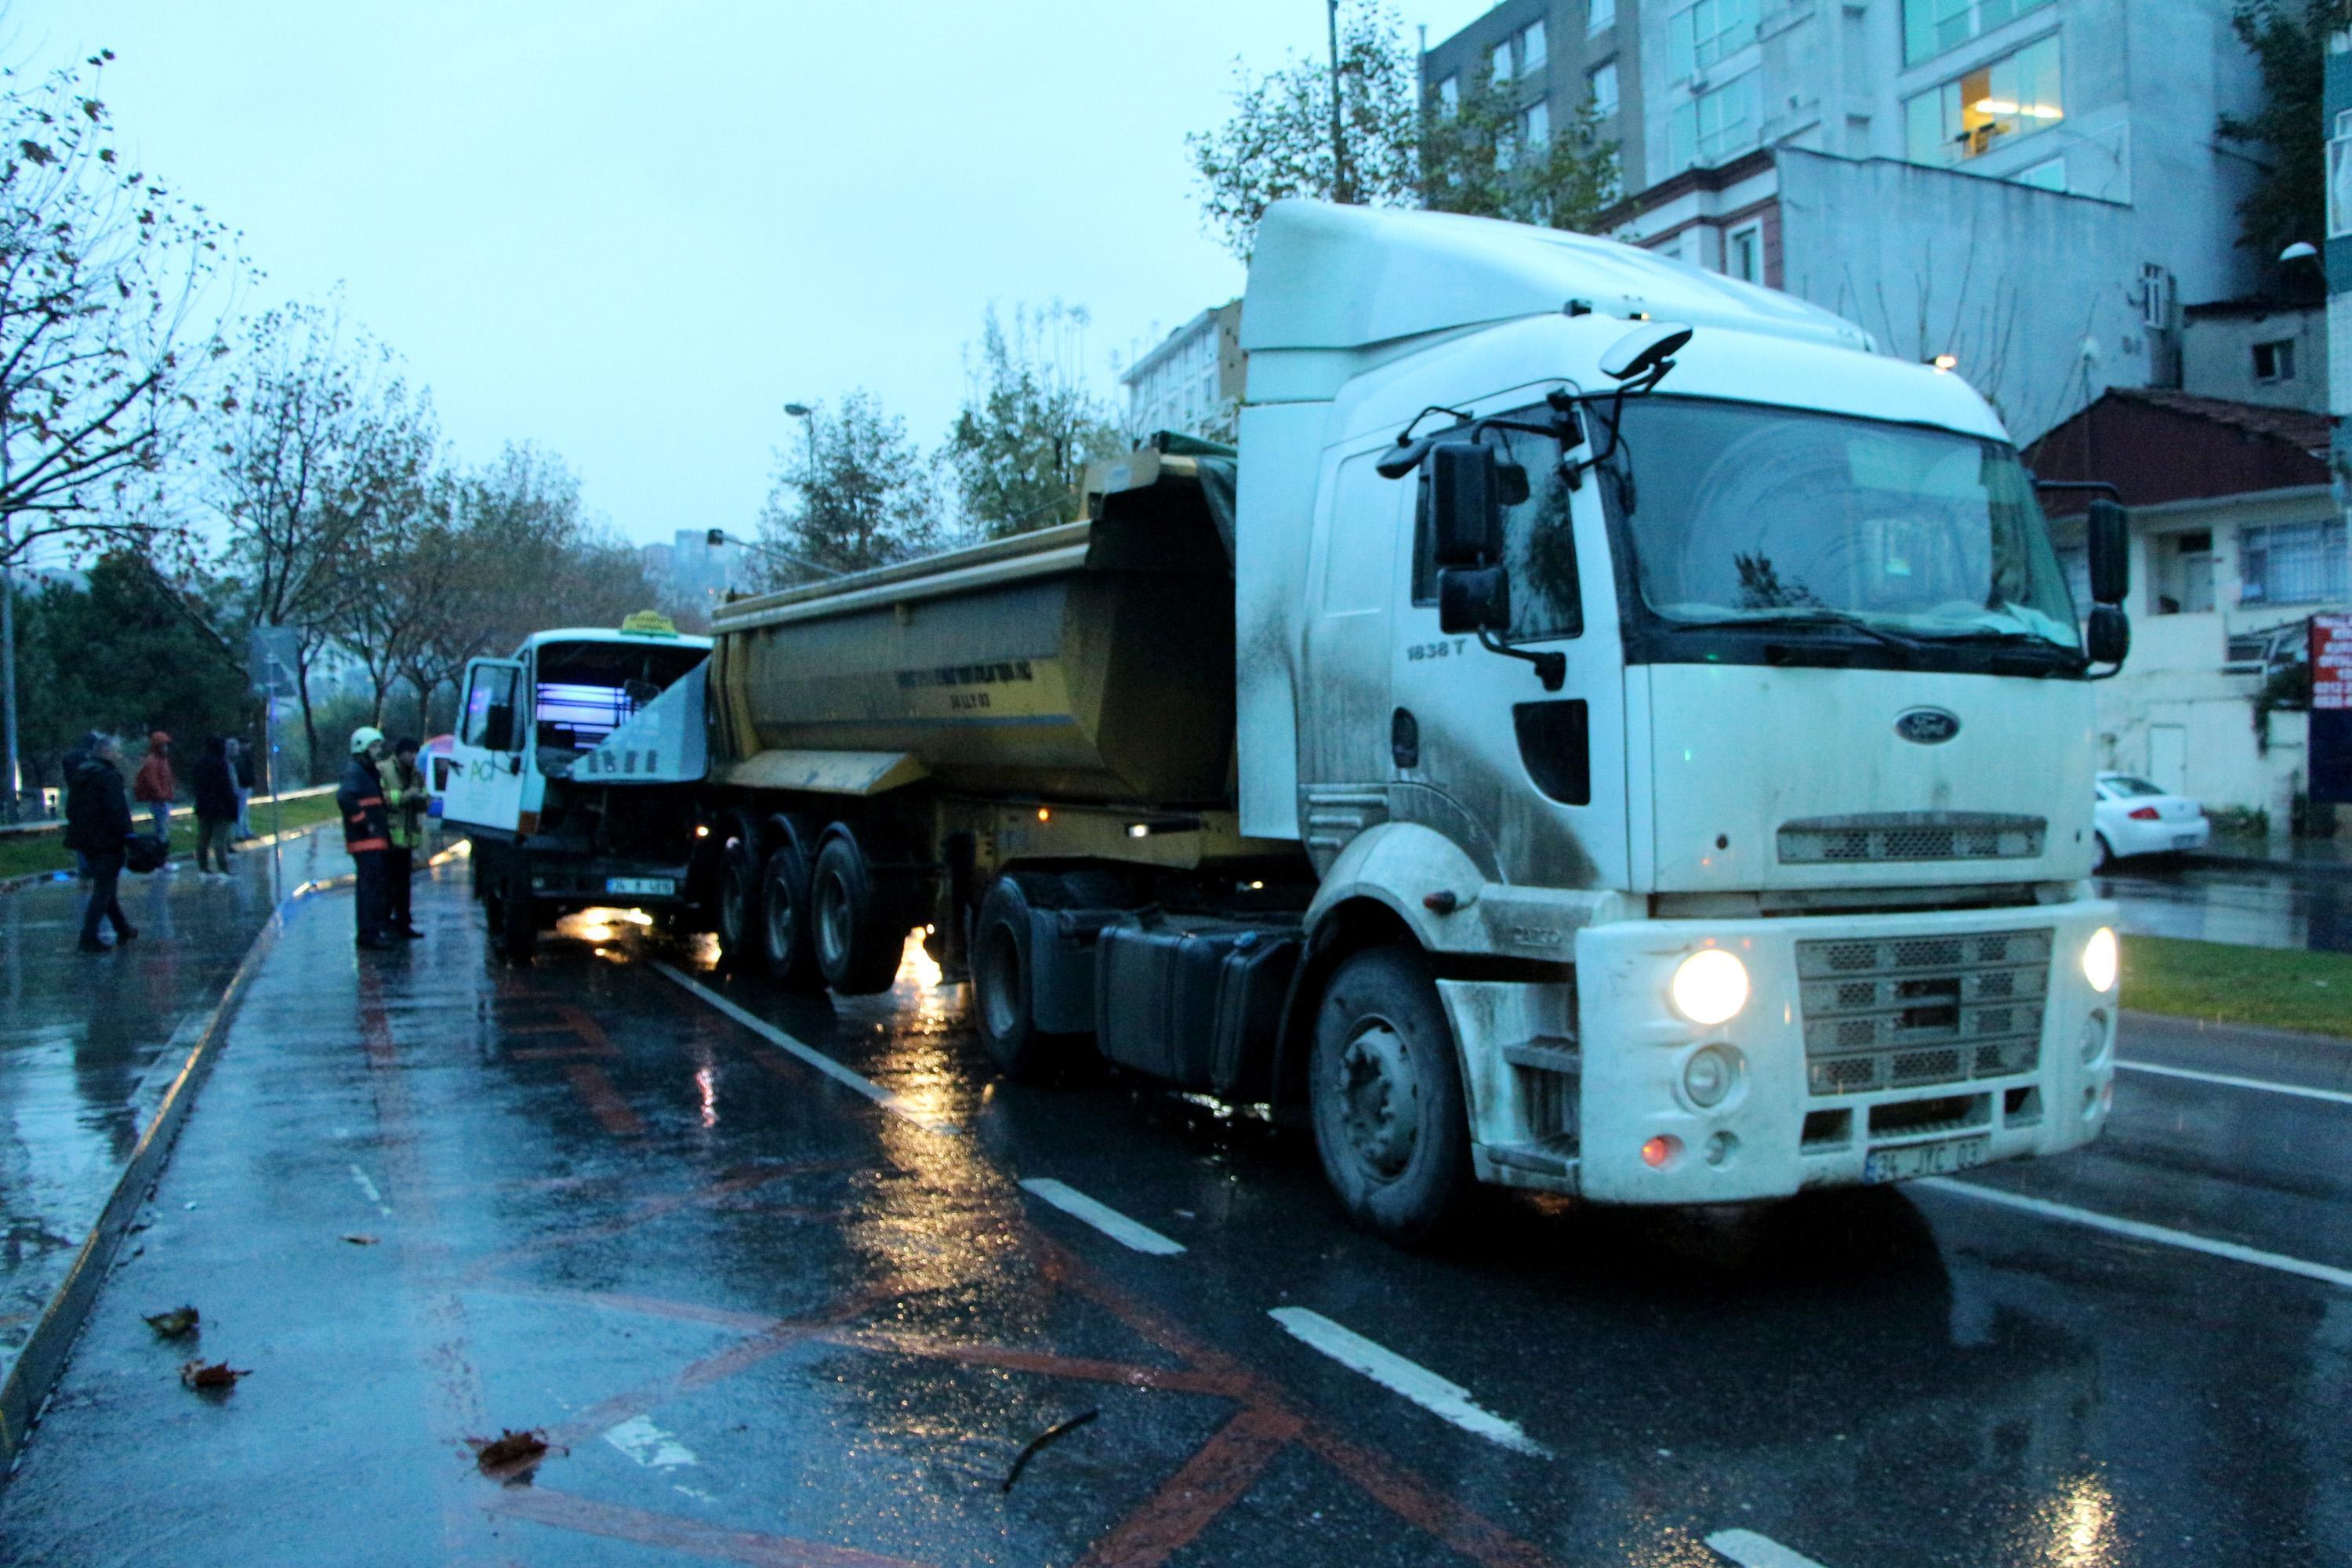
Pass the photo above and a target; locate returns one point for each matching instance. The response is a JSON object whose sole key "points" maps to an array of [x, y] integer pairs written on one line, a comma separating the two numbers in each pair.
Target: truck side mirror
{"points": [[1465, 504], [498, 727], [1473, 599], [2110, 552], [2107, 639]]}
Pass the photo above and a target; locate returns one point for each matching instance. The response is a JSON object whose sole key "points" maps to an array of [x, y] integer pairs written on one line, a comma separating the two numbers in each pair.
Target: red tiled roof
{"points": [[2160, 446], [2300, 426]]}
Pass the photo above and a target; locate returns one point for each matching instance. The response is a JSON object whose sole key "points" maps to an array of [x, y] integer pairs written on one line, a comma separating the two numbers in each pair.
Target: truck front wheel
{"points": [[1387, 1097]]}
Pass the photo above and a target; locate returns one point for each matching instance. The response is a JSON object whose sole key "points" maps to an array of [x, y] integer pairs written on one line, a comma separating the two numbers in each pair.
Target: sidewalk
{"points": [[86, 1048]]}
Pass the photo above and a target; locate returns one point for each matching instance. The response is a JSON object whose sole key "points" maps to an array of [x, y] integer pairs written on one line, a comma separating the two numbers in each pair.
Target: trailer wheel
{"points": [[1002, 1000], [858, 940], [739, 888], [518, 920], [1387, 1097], [786, 944]]}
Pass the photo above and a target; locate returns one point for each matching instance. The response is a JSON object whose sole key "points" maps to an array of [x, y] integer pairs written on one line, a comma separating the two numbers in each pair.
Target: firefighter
{"points": [[366, 831]]}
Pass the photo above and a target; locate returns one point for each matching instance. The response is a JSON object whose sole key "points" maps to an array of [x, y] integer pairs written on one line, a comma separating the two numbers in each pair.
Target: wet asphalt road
{"points": [[764, 1318], [2163, 897]]}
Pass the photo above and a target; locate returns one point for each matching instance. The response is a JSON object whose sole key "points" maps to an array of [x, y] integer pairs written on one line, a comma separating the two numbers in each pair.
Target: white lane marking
{"points": [[1447, 1401], [648, 1445], [369, 1188], [1103, 1217], [814, 1057], [2335, 1096], [1751, 1550], [2325, 1274]]}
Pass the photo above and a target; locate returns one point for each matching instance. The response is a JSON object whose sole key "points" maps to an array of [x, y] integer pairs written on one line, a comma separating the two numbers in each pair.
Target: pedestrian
{"points": [[215, 791], [404, 804], [360, 798], [98, 824], [155, 786], [241, 769]]}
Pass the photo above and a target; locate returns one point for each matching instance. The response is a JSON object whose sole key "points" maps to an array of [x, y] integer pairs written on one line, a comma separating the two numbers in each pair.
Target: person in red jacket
{"points": [[155, 786]]}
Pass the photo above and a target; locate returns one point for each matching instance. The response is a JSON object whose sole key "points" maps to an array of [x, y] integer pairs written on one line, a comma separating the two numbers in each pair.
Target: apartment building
{"points": [[1552, 56], [2032, 187], [1190, 381]]}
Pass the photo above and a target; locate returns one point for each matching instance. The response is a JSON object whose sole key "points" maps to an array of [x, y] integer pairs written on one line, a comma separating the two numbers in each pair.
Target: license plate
{"points": [[2185, 840], [658, 887], [1923, 1160]]}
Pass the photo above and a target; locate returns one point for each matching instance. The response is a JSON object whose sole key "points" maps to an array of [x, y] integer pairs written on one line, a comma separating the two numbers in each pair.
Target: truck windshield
{"points": [[585, 691], [1739, 516]]}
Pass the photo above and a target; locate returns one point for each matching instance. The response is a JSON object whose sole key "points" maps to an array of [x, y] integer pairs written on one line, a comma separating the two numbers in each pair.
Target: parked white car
{"points": [[2135, 817]]}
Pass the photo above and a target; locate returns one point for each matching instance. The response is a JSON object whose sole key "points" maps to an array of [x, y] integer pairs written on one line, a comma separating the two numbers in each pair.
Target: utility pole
{"points": [[1343, 183]]}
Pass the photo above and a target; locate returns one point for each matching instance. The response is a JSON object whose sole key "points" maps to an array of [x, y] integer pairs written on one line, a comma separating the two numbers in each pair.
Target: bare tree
{"points": [[384, 502]]}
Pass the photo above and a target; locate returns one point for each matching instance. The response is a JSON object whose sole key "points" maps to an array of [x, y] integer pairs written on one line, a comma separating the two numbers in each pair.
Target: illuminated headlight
{"points": [[1710, 986], [1709, 1075], [2100, 959]]}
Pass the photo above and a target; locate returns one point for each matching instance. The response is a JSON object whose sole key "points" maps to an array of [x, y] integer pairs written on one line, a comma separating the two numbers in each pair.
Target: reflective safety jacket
{"points": [[360, 799], [403, 802]]}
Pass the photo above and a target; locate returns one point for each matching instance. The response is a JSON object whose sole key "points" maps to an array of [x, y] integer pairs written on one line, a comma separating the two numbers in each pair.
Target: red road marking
{"points": [[1218, 1475], [565, 1511], [1180, 1380], [589, 1082]]}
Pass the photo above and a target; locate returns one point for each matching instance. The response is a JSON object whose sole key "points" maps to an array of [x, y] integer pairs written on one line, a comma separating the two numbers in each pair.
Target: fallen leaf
{"points": [[177, 1323], [361, 1238], [511, 1453], [201, 1373]]}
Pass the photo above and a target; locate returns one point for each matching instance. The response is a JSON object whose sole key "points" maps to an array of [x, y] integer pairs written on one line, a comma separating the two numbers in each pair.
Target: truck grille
{"points": [[1911, 836], [1901, 1012]]}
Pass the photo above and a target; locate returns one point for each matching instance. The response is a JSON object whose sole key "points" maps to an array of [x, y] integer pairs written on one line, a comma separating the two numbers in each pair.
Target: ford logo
{"points": [[1927, 726]]}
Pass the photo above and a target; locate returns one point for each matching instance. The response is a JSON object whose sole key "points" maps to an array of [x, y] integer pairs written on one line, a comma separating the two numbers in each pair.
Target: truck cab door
{"points": [[485, 773], [1343, 703]]}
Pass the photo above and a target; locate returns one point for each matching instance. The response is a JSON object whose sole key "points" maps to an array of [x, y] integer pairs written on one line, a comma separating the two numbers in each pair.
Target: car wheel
{"points": [[2102, 854]]}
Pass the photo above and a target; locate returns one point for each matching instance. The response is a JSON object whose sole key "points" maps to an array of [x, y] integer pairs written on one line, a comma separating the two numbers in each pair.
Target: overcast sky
{"points": [[632, 232]]}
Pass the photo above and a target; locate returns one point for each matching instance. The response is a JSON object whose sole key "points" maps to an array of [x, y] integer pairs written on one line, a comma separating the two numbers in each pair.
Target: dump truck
{"points": [[1605, 730]]}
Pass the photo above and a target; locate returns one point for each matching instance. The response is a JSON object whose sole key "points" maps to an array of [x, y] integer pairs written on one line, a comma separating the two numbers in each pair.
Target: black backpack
{"points": [[144, 852]]}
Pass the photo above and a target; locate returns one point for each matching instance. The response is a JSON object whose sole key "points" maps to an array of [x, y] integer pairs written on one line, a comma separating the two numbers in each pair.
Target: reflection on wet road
{"points": [[772, 1311], [2248, 908]]}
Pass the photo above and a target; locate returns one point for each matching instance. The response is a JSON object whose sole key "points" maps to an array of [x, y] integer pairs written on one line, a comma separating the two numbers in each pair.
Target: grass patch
{"points": [[22, 853], [2221, 983]]}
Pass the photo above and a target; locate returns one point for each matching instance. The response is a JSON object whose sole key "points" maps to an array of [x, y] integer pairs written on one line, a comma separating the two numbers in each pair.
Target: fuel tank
{"points": [[1092, 661]]}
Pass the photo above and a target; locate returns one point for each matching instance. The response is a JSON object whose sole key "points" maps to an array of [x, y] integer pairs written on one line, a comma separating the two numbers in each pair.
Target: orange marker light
{"points": [[1044, 815], [1658, 1151]]}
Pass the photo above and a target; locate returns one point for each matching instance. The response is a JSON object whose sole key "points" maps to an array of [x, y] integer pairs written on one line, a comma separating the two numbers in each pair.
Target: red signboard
{"points": [[2331, 662]]}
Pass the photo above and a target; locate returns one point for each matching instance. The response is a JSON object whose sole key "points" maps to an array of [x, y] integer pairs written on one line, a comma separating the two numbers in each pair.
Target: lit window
{"points": [[1602, 15], [1535, 125], [1698, 36], [1989, 108], [1603, 82], [1743, 254], [2290, 564], [2274, 361], [1531, 48], [1714, 125], [1449, 95], [1931, 26]]}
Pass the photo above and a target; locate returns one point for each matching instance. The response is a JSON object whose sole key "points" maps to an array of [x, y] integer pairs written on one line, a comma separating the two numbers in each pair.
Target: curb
{"points": [[23, 879], [43, 1358]]}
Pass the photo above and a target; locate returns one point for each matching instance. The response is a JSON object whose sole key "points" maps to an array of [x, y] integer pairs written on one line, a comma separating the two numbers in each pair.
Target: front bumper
{"points": [[2129, 838], [1781, 1128], [608, 880]]}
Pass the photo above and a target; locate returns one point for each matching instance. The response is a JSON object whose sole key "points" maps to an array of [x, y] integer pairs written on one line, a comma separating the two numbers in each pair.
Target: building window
{"points": [[1714, 125], [1602, 80], [1931, 26], [1449, 95], [1531, 48], [1743, 253], [2274, 361], [2339, 176], [2290, 564], [2050, 175], [1698, 36], [1989, 108], [1535, 125], [1498, 64], [1602, 15]]}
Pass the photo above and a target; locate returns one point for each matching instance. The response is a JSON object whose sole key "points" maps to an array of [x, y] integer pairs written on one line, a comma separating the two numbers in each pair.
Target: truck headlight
{"points": [[1709, 986], [2100, 959]]}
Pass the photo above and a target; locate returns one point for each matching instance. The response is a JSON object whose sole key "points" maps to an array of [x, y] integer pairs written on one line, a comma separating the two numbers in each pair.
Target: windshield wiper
{"points": [[1820, 616]]}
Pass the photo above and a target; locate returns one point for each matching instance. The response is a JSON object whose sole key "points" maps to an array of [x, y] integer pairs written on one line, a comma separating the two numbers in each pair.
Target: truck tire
{"points": [[1386, 1096], [740, 864], [1002, 1003], [853, 918], [785, 941], [517, 930]]}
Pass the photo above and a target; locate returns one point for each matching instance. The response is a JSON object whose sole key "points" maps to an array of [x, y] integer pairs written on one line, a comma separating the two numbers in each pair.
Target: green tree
{"points": [[1392, 148], [860, 497], [2288, 39], [1028, 427]]}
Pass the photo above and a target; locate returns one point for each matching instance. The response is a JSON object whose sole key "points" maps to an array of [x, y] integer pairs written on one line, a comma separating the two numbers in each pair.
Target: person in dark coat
{"points": [[98, 822], [215, 790], [366, 831]]}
